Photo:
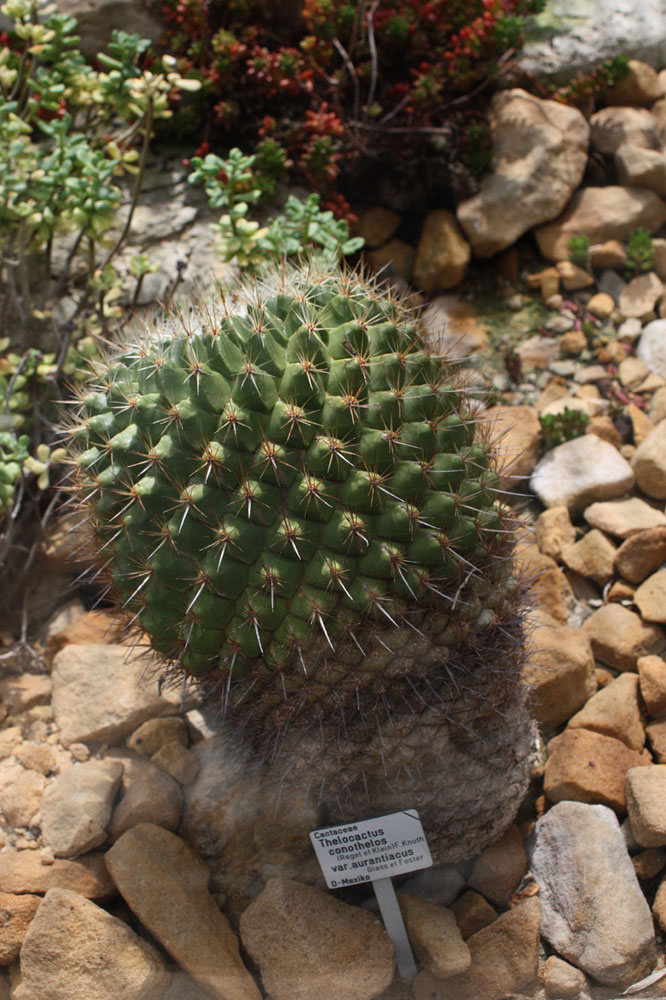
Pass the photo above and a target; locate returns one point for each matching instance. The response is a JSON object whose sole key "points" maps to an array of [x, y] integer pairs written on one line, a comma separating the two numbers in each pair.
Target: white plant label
{"points": [[371, 849]]}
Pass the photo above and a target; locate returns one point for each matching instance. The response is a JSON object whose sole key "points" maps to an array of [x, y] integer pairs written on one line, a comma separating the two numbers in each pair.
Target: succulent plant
{"points": [[291, 500]]}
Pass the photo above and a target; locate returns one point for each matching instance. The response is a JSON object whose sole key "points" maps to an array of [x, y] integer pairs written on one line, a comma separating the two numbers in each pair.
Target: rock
{"points": [[554, 531], [76, 807], [537, 352], [578, 857], [442, 254], [641, 424], [652, 679], [23, 872], [614, 711], [559, 671], [604, 428], [472, 913], [578, 472], [614, 127], [620, 638], [649, 863], [650, 597], [639, 85], [602, 213], [177, 761], [16, 912], [592, 557], [601, 305], [624, 518], [640, 295], [516, 433], [434, 936], [659, 905], [649, 463], [609, 254], [101, 693], [504, 960], [396, 257], [20, 793], [451, 328], [539, 156], [499, 868], [657, 407], [36, 757], [652, 346], [552, 593], [573, 343], [584, 766], [74, 950], [439, 884], [377, 225], [90, 627], [656, 734], [149, 795], [641, 553], [150, 865], [154, 733], [629, 330], [24, 692], [646, 804], [639, 167], [561, 980], [574, 277], [310, 946]]}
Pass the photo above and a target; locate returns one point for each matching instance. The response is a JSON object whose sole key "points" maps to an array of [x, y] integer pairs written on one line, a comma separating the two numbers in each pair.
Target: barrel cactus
{"points": [[292, 501]]}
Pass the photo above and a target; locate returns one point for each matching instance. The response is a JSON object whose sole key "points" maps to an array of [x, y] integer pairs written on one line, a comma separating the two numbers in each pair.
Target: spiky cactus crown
{"points": [[290, 501]]}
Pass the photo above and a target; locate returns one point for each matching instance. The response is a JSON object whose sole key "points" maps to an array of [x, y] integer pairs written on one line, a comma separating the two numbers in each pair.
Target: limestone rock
{"points": [[562, 981], [149, 795], [632, 371], [652, 679], [639, 297], [608, 254], [440, 884], [646, 804], [578, 472], [154, 733], [650, 598], [166, 885], [24, 692], [16, 913], [649, 463], [395, 258], [473, 913], [517, 433], [584, 766], [639, 167], [639, 85], [504, 960], [554, 531], [20, 793], [592, 557], [499, 868], [601, 305], [310, 946], [434, 936], [451, 327], [23, 872], [539, 156], [442, 254], [624, 518], [620, 638], [101, 693], [613, 127], [76, 807], [560, 672], [574, 277], [652, 346], [614, 711], [579, 859], [74, 950], [649, 863], [641, 554], [602, 213], [656, 734], [177, 761], [377, 225]]}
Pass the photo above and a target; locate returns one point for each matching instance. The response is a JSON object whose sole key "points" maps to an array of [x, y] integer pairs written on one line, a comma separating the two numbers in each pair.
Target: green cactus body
{"points": [[291, 502]]}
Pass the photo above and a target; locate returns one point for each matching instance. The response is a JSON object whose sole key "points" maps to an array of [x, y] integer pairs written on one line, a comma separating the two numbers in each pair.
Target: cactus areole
{"points": [[291, 501]]}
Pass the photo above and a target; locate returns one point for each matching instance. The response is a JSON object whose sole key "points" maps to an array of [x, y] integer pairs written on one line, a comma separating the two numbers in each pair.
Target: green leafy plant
{"points": [[640, 252], [578, 246], [556, 428]]}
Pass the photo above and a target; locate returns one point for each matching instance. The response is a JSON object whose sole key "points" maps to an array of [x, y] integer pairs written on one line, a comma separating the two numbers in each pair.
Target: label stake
{"points": [[395, 926]]}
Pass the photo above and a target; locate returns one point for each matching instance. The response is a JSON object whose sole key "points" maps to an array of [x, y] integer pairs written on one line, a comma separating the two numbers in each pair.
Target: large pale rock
{"points": [[166, 885], [584, 766], [646, 804], [641, 554], [602, 214], [579, 858], [624, 518], [23, 872], [613, 127], [560, 672], [620, 638], [442, 255], [637, 167], [504, 960], [649, 463], [652, 346], [539, 157], [614, 711], [578, 472], [102, 693], [650, 598], [516, 433], [310, 946], [74, 950], [76, 807], [434, 936], [451, 328]]}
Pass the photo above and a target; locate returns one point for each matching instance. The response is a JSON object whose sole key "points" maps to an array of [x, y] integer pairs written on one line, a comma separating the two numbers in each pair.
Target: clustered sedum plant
{"points": [[291, 500]]}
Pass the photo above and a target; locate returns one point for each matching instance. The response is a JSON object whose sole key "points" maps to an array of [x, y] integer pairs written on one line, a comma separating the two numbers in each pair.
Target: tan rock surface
{"points": [[612, 127], [656, 734], [434, 936], [650, 597], [177, 761], [148, 795], [16, 912], [442, 254], [640, 85], [580, 472], [23, 872], [624, 518], [640, 295], [76, 807], [451, 327], [396, 256], [377, 225], [601, 305], [560, 672], [583, 766], [25, 691], [610, 254], [649, 463], [150, 865], [642, 553], [472, 913], [649, 862], [574, 277], [154, 733], [554, 531], [652, 678], [646, 804], [614, 711], [620, 638], [562, 981], [516, 432], [639, 167], [592, 557], [499, 868]]}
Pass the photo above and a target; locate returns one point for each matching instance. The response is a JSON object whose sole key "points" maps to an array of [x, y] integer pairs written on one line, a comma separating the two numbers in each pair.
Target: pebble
{"points": [[652, 346], [504, 960], [559, 672], [641, 424], [592, 557], [310, 946], [649, 463], [442, 254], [605, 429], [641, 554], [377, 225], [434, 936], [601, 305], [659, 905], [25, 872], [76, 807], [102, 693], [16, 913], [579, 472], [624, 518], [36, 757], [554, 531], [562, 981], [652, 679], [649, 863], [472, 913], [499, 868], [574, 277], [153, 734], [619, 637], [584, 766], [74, 949], [149, 795], [639, 297], [650, 597], [166, 886], [614, 711], [578, 857], [646, 804], [609, 254]]}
